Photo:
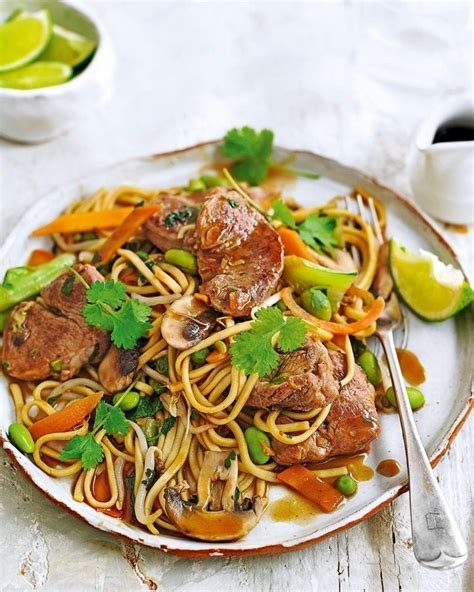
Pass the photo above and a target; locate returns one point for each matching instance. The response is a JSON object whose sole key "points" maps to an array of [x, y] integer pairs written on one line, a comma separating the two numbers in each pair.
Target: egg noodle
{"points": [[208, 401]]}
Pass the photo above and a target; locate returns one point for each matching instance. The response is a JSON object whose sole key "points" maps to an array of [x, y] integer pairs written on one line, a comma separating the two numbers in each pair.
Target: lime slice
{"points": [[37, 75], [68, 47], [433, 290], [24, 38]]}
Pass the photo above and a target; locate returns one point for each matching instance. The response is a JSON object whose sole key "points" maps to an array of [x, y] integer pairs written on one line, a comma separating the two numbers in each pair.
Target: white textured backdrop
{"points": [[348, 79]]}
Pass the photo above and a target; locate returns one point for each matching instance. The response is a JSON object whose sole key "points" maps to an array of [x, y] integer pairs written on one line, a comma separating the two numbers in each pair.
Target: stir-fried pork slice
{"points": [[350, 427], [38, 344], [117, 369], [67, 295], [303, 381], [240, 256], [163, 228]]}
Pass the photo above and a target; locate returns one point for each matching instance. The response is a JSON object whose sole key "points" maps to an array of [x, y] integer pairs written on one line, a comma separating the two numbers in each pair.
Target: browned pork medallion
{"points": [[240, 256], [54, 339], [351, 426]]}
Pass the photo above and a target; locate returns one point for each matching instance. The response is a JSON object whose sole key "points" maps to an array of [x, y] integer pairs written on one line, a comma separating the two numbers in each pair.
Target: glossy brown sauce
{"points": [[355, 465], [459, 228], [388, 467], [411, 367], [293, 508]]}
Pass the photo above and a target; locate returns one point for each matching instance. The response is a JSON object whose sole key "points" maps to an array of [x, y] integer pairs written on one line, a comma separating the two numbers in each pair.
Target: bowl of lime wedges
{"points": [[56, 65]]}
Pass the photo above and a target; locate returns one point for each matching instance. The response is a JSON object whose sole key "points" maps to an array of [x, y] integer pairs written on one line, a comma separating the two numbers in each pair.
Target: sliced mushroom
{"points": [[117, 369], [187, 322], [215, 516]]}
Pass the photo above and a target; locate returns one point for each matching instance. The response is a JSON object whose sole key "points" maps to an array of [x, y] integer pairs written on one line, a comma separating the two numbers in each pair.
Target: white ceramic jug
{"points": [[442, 174]]}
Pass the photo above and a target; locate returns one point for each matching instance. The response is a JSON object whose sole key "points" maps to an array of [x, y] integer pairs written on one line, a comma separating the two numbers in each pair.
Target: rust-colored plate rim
{"points": [[389, 496]]}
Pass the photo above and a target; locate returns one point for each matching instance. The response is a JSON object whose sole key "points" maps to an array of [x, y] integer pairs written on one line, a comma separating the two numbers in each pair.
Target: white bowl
{"points": [[38, 115]]}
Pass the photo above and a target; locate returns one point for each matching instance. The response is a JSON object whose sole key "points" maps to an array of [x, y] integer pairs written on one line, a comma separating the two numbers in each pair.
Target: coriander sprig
{"points": [[254, 351], [251, 152]]}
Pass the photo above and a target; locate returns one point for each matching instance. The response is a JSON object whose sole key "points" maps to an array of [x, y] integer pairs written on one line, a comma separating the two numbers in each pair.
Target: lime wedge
{"points": [[37, 75], [24, 38], [433, 290], [68, 47]]}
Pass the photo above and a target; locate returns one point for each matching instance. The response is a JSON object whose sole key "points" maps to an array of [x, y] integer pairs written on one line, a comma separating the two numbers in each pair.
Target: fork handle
{"points": [[437, 542]]}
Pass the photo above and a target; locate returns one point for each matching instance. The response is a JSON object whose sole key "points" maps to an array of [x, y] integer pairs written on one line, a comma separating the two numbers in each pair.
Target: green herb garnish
{"points": [[68, 285], [147, 407], [283, 213], [110, 309], [319, 232], [253, 350], [179, 216], [230, 457], [167, 425], [85, 448]]}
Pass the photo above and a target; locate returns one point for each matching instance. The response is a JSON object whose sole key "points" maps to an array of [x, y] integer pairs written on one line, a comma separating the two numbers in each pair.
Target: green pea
{"points": [[369, 364], [196, 185], [316, 303], [21, 437], [183, 259], [415, 397], [127, 401], [256, 442], [346, 485], [199, 357]]}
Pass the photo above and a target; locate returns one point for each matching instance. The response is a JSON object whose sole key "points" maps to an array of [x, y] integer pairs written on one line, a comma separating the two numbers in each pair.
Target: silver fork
{"points": [[437, 541]]}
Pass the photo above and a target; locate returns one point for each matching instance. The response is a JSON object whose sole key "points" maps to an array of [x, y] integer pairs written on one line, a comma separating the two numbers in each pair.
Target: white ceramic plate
{"points": [[444, 349]]}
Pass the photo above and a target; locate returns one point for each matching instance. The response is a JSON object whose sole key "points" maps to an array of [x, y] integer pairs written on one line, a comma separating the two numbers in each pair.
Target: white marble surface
{"points": [[350, 80]]}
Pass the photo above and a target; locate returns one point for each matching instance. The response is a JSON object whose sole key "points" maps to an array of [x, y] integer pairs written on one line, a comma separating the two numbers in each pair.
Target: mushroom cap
{"points": [[186, 322], [200, 524]]}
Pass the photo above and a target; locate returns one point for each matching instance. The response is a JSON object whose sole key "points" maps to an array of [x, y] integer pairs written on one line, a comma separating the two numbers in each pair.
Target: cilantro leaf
{"points": [[84, 448], [283, 213], [251, 150], [108, 292], [98, 317], [110, 309], [253, 351], [147, 407], [130, 323], [116, 423], [318, 232], [293, 332], [167, 425]]}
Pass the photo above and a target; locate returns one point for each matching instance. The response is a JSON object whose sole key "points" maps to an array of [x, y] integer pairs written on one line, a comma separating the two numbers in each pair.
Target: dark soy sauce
{"points": [[454, 131]]}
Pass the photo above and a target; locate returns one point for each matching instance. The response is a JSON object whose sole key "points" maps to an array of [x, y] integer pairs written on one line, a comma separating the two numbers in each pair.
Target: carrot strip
{"points": [[214, 357], [39, 256], [336, 328], [202, 297], [129, 276], [100, 487], [126, 230], [293, 244], [311, 487], [67, 418], [84, 221]]}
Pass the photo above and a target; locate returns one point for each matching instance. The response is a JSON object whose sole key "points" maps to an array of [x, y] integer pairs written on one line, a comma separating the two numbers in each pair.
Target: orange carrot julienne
{"points": [[84, 221], [101, 487], [39, 256], [202, 297], [311, 487], [214, 357], [337, 329], [293, 244], [126, 230], [67, 418]]}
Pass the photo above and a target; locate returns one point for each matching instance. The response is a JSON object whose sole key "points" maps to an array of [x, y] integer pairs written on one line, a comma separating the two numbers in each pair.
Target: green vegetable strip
{"points": [[28, 283]]}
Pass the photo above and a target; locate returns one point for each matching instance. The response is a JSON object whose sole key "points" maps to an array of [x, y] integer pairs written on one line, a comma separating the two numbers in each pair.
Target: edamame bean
{"points": [[257, 442], [127, 401], [369, 364], [415, 397], [346, 485], [199, 357], [197, 185], [21, 437], [182, 259], [316, 303]]}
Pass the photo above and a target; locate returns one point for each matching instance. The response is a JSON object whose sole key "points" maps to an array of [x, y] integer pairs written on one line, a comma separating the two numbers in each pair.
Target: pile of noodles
{"points": [[208, 401]]}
